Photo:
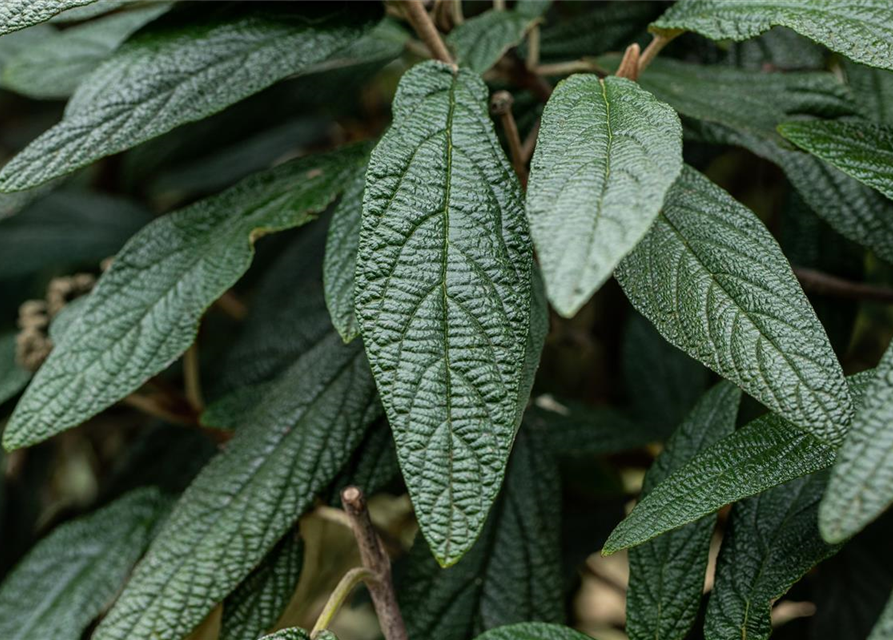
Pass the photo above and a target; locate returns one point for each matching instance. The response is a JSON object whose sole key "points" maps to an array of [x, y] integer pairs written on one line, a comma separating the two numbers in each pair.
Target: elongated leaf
{"points": [[772, 541], [859, 149], [763, 454], [666, 575], [512, 574], [714, 282], [443, 298], [73, 574], [247, 497], [859, 30], [177, 73], [480, 42], [861, 485], [54, 67], [875, 90], [606, 154], [533, 631], [145, 310], [18, 14], [12, 377], [258, 602], [92, 10]]}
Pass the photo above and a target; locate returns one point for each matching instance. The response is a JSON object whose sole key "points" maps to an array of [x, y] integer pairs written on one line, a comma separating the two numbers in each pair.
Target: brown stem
{"points": [[569, 67], [192, 378], [458, 16], [501, 105], [375, 559], [427, 32], [229, 304], [629, 65], [533, 48], [530, 142], [499, 5], [152, 407], [828, 285], [658, 42]]}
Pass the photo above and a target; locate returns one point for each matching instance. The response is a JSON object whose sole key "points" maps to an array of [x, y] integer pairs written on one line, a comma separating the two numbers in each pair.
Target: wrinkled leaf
{"points": [[294, 633], [875, 90], [443, 298], [481, 41], [12, 377], [533, 631], [606, 154], [18, 14]]}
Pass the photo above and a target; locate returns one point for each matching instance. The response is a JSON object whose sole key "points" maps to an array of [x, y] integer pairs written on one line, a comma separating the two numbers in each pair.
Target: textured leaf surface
{"points": [[443, 298], [298, 634], [861, 485], [73, 574], [12, 377], [176, 73], [666, 575], [883, 630], [861, 30], [533, 631], [606, 154], [54, 67], [481, 41], [763, 454], [875, 90], [714, 282], [18, 14], [859, 149], [258, 602], [773, 540], [251, 494], [145, 310]]}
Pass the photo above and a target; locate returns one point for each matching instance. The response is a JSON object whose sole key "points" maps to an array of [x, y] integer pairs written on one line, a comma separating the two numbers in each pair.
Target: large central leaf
{"points": [[443, 298], [606, 154]]}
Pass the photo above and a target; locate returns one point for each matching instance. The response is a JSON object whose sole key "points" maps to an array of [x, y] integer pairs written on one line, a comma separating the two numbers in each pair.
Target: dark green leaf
{"points": [[875, 90], [606, 154], [533, 631], [176, 73], [12, 377], [298, 634], [18, 14], [74, 573], [443, 298], [860, 30], [714, 282], [772, 541], [480, 42], [883, 630], [779, 48], [666, 576]]}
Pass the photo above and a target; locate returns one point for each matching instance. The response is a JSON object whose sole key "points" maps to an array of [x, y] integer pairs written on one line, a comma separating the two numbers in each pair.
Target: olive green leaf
{"points": [[861, 485], [533, 631], [772, 541], [74, 573], [481, 41], [443, 298], [666, 574], [18, 14], [243, 501], [860, 30], [12, 377], [145, 310], [54, 67], [606, 154], [714, 282], [176, 73], [862, 150]]}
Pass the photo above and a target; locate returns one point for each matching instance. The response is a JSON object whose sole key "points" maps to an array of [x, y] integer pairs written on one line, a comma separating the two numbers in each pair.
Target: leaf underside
{"points": [[481, 41]]}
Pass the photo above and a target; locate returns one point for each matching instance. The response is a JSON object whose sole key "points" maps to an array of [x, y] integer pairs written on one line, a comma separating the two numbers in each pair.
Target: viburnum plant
{"points": [[488, 307]]}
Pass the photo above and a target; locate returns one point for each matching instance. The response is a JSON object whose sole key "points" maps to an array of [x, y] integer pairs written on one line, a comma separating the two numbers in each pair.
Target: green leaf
{"points": [[765, 453], [12, 377], [883, 629], [55, 67], [533, 631], [145, 310], [251, 494], [481, 41], [859, 30], [875, 90], [258, 602], [18, 14], [512, 574], [94, 9], [74, 573], [298, 634], [443, 298], [860, 149], [772, 541], [176, 73], [714, 282], [606, 154], [861, 486], [666, 575]]}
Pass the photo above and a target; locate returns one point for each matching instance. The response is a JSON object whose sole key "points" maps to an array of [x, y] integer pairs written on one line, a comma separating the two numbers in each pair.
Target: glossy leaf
{"points": [[772, 541], [443, 298], [533, 631], [18, 14], [861, 485], [860, 30], [481, 41], [666, 576], [145, 310], [251, 494], [55, 67], [606, 154], [176, 73], [714, 282], [74, 573], [859, 149], [12, 377]]}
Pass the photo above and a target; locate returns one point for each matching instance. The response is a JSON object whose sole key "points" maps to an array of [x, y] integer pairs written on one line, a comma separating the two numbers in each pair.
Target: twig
{"points": [[569, 67], [523, 77], [192, 378], [533, 48], [499, 5], [331, 514], [347, 584], [530, 142], [152, 407], [427, 32], [375, 559], [828, 285], [658, 42], [229, 304], [458, 16], [501, 105], [629, 65]]}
